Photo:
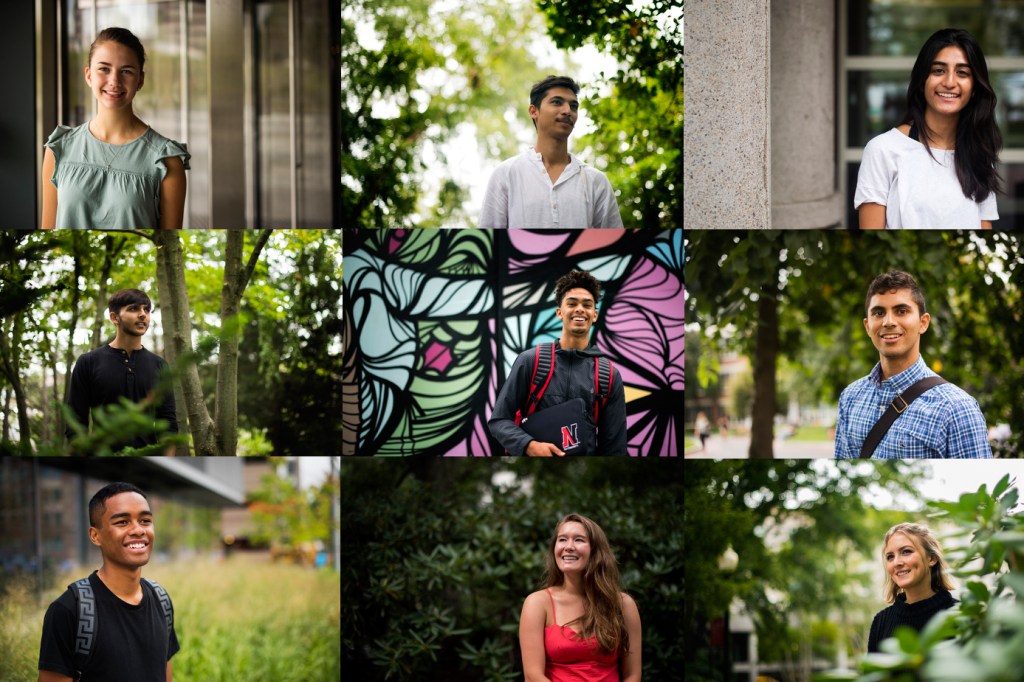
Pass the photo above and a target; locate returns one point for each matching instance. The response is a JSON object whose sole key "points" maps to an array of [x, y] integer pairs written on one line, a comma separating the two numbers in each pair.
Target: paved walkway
{"points": [[737, 447]]}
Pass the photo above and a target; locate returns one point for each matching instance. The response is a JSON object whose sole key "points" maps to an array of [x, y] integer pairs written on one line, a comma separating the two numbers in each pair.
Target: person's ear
{"points": [[925, 321], [88, 76], [142, 80], [94, 536], [534, 112]]}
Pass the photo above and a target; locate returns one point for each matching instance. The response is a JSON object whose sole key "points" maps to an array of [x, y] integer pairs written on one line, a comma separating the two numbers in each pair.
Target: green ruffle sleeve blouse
{"points": [[109, 186]]}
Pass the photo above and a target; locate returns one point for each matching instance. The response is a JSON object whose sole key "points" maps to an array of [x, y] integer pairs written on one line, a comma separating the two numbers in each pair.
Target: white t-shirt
{"points": [[918, 192], [520, 194]]}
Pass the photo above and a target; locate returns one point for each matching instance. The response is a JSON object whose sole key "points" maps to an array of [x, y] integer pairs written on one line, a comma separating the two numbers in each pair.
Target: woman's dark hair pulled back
{"points": [[123, 36], [978, 140]]}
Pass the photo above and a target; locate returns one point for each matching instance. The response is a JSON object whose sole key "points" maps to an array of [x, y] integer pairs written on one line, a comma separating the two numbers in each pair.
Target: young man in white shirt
{"points": [[545, 186]]}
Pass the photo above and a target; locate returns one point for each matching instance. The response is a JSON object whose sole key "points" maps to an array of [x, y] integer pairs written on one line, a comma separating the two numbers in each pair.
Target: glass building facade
{"points": [[246, 84], [879, 42]]}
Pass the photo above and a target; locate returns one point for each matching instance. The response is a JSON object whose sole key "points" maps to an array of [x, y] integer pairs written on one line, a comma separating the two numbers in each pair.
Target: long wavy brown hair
{"points": [[921, 536], [602, 595]]}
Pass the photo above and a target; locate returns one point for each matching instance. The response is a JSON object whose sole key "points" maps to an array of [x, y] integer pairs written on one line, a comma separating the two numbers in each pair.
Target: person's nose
{"points": [[950, 80]]}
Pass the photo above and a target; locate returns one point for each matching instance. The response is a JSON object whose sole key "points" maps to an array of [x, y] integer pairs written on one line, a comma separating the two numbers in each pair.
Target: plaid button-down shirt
{"points": [[943, 422]]}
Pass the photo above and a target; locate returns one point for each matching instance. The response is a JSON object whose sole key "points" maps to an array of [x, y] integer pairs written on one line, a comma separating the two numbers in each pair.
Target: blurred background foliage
{"points": [[438, 556], [54, 288], [796, 530], [416, 75]]}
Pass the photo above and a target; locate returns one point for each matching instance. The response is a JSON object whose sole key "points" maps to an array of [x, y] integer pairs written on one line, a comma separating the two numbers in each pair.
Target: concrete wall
{"points": [[727, 138], [803, 87], [761, 115]]}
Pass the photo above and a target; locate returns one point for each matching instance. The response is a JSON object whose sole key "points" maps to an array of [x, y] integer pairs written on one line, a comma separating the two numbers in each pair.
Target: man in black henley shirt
{"points": [[122, 368]]}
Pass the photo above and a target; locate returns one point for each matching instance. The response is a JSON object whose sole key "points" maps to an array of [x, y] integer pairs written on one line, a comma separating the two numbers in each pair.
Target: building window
{"points": [[878, 47]]}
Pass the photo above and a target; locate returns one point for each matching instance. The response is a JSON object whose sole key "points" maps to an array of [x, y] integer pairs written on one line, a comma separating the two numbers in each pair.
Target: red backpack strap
{"points": [[543, 370]]}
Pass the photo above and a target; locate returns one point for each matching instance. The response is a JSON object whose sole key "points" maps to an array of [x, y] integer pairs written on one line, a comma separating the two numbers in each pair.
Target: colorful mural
{"points": [[435, 318]]}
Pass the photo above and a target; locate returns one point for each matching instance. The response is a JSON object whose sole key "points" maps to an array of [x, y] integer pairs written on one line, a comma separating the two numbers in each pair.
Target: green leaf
{"points": [[1001, 487]]}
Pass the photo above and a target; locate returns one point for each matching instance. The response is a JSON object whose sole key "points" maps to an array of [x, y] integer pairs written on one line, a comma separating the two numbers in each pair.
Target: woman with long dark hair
{"points": [[115, 171], [938, 168], [580, 627], [916, 581]]}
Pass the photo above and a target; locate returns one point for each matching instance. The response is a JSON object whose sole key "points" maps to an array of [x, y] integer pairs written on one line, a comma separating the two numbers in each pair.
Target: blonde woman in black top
{"points": [[916, 581]]}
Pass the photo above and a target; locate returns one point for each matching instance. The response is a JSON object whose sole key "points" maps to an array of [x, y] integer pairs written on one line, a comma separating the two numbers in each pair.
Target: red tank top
{"points": [[570, 659]]}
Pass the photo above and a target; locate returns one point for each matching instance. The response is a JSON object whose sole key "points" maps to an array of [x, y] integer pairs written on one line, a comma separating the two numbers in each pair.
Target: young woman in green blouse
{"points": [[114, 172]]}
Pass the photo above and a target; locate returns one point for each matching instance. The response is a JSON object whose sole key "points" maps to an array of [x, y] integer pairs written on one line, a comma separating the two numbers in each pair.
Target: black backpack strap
{"points": [[602, 379], [543, 369], [897, 406], [165, 603], [88, 623]]}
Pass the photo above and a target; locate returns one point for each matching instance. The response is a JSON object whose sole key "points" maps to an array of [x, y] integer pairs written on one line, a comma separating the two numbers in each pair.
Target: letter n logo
{"points": [[570, 439]]}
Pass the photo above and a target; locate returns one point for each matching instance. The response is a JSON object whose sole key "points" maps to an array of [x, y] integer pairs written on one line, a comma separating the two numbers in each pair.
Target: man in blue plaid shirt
{"points": [[944, 421]]}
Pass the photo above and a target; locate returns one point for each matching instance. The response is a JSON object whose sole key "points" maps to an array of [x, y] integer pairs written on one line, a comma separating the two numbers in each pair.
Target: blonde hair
{"points": [[602, 597], [921, 536]]}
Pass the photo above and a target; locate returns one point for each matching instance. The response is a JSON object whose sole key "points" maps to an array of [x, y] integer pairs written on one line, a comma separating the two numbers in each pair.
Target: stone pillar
{"points": [[727, 136], [803, 87]]}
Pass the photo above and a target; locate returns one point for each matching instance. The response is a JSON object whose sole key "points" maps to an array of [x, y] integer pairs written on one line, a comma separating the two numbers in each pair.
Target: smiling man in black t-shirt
{"points": [[129, 635]]}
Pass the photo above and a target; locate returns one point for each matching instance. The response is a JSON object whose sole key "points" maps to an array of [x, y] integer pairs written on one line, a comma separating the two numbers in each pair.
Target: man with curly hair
{"points": [[553, 375]]}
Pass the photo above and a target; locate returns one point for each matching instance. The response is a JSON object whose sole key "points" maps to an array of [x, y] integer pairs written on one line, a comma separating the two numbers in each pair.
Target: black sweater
{"points": [[105, 374], [914, 615]]}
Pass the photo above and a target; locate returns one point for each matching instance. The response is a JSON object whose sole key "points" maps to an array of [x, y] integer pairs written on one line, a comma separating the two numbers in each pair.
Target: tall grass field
{"points": [[240, 619]]}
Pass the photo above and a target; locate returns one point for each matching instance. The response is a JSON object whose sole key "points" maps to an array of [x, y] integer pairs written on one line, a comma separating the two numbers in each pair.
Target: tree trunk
{"points": [[69, 354], [766, 351], [178, 324], [226, 405], [170, 355], [236, 279], [10, 357], [7, 415], [112, 247]]}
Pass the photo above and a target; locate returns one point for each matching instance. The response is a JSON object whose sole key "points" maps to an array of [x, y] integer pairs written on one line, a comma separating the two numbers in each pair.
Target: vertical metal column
{"points": [[186, 102], [292, 114], [226, 54]]}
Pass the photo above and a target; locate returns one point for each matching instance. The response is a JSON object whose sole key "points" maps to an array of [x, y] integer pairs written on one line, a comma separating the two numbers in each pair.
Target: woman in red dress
{"points": [[581, 627]]}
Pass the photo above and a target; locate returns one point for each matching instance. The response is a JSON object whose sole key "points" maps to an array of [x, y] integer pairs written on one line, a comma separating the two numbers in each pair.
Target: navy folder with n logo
{"points": [[566, 425]]}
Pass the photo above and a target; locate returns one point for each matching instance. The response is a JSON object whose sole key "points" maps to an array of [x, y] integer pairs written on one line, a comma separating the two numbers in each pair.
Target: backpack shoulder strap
{"points": [[897, 406], [543, 369], [88, 623], [602, 379], [165, 602]]}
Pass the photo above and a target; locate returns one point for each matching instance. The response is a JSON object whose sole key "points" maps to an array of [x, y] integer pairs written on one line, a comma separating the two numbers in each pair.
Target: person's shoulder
{"points": [[535, 600], [156, 358], [66, 133], [506, 166], [65, 602], [94, 354], [855, 387], [162, 147], [954, 398], [890, 140], [627, 600]]}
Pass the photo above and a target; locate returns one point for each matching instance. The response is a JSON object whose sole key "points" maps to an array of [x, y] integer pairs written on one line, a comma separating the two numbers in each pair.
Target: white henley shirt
{"points": [[520, 195]]}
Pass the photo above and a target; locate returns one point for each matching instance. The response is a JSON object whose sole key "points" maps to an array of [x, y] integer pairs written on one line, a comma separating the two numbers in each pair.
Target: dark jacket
{"points": [[573, 378]]}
